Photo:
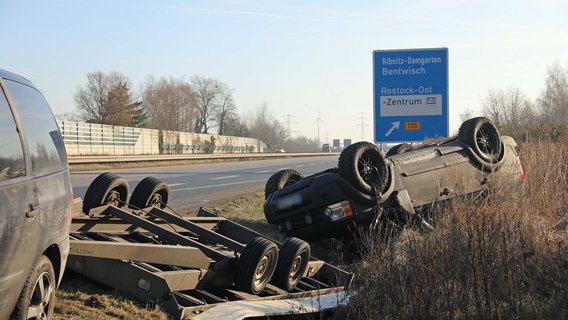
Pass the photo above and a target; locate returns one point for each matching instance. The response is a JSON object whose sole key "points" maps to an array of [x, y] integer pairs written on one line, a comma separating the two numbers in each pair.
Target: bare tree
{"points": [[263, 125], [171, 104], [214, 103], [504, 108], [106, 99], [553, 101]]}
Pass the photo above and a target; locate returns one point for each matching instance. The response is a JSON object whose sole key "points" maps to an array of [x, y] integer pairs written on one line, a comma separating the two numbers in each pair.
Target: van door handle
{"points": [[33, 212]]}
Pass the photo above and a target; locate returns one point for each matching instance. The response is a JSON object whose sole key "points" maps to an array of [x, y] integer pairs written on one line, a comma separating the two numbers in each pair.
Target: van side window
{"points": [[44, 141], [12, 163]]}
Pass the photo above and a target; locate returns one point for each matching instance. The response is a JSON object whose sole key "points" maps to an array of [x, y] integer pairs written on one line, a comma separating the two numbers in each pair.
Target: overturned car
{"points": [[367, 187]]}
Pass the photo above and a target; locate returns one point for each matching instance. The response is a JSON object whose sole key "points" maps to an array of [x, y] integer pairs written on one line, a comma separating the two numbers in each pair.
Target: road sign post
{"points": [[410, 92]]}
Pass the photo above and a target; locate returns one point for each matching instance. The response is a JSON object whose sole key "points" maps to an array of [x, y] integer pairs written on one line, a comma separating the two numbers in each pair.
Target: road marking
{"points": [[219, 185], [264, 171], [225, 177], [175, 184], [300, 166]]}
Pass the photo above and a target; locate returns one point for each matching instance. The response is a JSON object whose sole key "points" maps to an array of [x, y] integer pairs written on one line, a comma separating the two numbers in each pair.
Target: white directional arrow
{"points": [[395, 125]]}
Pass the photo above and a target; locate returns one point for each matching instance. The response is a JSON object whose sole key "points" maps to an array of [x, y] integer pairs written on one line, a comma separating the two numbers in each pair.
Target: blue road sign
{"points": [[410, 92]]}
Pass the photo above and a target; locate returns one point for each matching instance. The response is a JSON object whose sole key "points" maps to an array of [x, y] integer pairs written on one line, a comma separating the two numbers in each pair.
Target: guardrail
{"points": [[85, 163]]}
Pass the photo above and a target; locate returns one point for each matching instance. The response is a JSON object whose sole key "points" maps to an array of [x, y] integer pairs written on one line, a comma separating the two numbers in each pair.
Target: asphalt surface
{"points": [[197, 185]]}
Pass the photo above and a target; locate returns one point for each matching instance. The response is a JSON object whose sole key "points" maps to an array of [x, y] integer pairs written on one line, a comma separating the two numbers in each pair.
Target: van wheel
{"points": [[282, 179], [399, 148], [256, 265], [38, 295], [150, 192], [364, 167], [106, 189], [292, 263], [481, 135]]}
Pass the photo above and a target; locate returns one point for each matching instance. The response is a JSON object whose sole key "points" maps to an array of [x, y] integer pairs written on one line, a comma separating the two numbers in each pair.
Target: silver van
{"points": [[35, 202]]}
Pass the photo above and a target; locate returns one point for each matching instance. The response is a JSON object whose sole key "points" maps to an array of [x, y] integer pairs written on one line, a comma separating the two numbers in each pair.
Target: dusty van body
{"points": [[35, 201]]}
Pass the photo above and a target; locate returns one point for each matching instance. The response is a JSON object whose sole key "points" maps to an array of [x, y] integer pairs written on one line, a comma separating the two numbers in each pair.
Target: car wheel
{"points": [[150, 192], [481, 135], [37, 298], [364, 167], [292, 263], [281, 179], [399, 148], [256, 265], [107, 188]]}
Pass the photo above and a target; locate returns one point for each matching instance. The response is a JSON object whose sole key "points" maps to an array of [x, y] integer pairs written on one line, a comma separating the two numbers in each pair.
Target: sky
{"points": [[309, 61]]}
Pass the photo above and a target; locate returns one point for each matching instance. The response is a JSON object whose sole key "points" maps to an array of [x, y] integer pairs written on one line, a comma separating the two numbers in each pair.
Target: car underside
{"points": [[367, 187]]}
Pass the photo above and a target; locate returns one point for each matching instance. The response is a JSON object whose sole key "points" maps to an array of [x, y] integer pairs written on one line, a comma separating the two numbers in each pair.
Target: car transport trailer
{"points": [[195, 267]]}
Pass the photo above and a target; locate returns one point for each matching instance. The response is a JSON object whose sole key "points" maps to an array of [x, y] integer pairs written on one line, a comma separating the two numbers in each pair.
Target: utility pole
{"points": [[318, 120]]}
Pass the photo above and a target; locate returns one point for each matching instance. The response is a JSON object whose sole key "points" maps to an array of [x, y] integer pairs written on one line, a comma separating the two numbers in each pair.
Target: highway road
{"points": [[200, 184]]}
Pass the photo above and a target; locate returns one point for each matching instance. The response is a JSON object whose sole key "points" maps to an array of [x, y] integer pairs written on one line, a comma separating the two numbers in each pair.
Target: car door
{"points": [[19, 225]]}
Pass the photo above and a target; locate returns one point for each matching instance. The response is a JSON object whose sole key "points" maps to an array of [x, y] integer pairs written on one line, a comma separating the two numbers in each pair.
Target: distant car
{"points": [[326, 148], [35, 202], [367, 186]]}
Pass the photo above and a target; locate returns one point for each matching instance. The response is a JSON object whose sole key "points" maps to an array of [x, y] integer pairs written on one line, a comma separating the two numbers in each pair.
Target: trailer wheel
{"points": [[292, 263], [107, 188], [483, 137], [256, 265], [364, 167], [37, 297], [281, 179], [150, 192]]}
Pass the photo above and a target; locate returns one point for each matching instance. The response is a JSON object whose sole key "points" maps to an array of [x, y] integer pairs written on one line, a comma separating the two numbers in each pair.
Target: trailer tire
{"points": [[364, 167], [150, 192], [292, 263], [38, 293], [481, 135], [256, 265], [107, 188], [281, 179]]}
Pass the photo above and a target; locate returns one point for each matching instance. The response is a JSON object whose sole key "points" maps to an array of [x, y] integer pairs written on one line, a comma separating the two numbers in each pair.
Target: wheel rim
{"points": [[113, 198], [295, 267], [368, 171], [265, 264], [156, 200], [40, 304], [485, 142]]}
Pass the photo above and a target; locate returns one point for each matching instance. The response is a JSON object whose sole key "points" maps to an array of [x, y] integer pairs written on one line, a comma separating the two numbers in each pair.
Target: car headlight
{"points": [[339, 210]]}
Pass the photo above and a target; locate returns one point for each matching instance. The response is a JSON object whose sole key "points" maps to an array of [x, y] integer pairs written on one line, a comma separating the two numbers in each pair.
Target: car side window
{"points": [[44, 141], [12, 163]]}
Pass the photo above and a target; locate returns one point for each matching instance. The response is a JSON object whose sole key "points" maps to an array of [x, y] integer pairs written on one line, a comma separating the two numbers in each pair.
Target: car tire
{"points": [[281, 179], [292, 263], [150, 192], [481, 135], [107, 188], [364, 167], [399, 148], [37, 299], [256, 265]]}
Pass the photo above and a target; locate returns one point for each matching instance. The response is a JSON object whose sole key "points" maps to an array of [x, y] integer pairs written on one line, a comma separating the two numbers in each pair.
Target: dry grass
{"points": [[503, 258]]}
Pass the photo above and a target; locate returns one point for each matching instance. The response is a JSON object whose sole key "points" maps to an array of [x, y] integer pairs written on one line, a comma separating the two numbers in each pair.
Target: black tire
{"points": [[281, 179], [107, 188], [399, 148], [364, 167], [150, 192], [37, 298], [481, 135], [292, 263], [256, 265]]}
